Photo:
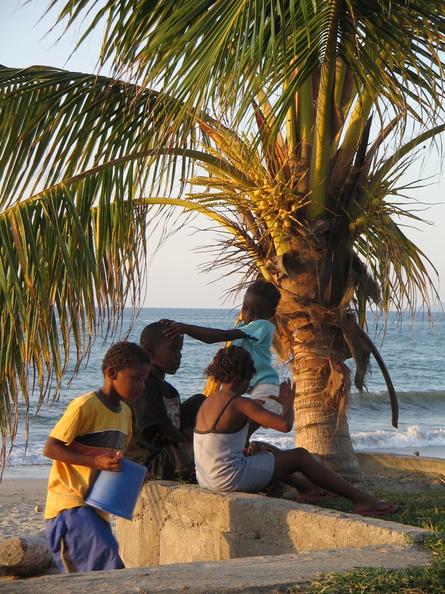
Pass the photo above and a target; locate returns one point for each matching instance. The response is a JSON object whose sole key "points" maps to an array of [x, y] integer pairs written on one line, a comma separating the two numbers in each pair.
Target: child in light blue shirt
{"points": [[254, 333]]}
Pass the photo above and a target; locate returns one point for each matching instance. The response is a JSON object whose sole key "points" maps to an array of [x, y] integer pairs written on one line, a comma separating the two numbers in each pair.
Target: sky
{"points": [[173, 274]]}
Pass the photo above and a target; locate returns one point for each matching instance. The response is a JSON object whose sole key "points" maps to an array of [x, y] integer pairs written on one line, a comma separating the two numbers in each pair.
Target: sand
{"points": [[22, 503]]}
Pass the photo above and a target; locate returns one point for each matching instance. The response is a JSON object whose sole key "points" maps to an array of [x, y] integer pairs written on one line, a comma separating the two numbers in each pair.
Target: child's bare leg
{"points": [[304, 485], [296, 479], [299, 459]]}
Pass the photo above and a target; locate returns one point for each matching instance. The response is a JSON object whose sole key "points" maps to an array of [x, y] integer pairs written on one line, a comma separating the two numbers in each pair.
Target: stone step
{"points": [[248, 575]]}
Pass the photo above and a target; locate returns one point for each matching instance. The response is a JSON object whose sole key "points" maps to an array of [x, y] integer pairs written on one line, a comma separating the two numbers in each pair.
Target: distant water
{"points": [[415, 357]]}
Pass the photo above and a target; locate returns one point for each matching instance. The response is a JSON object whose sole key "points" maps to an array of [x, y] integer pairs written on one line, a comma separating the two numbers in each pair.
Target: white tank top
{"points": [[221, 464]]}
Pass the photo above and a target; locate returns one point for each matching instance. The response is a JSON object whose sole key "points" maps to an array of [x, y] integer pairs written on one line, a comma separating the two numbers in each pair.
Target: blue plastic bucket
{"points": [[117, 492]]}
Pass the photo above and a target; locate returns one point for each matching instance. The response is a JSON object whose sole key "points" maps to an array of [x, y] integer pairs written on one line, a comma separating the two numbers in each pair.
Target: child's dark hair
{"points": [[124, 354], [230, 364], [153, 334], [269, 293]]}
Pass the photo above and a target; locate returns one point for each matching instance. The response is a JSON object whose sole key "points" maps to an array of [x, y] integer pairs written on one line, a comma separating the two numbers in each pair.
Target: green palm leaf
{"points": [[259, 44]]}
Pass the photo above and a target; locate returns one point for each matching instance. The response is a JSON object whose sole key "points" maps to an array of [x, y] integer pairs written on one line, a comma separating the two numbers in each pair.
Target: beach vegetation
{"points": [[289, 124], [415, 580]]}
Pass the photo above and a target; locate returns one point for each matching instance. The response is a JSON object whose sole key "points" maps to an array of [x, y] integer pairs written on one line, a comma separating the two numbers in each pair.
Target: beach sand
{"points": [[22, 503]]}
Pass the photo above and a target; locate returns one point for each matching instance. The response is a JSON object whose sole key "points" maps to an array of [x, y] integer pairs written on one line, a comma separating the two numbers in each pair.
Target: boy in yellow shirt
{"points": [[91, 436]]}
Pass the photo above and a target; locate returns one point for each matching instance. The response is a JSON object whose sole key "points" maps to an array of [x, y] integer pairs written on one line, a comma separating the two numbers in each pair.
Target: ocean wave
{"points": [[28, 459], [413, 436], [415, 397]]}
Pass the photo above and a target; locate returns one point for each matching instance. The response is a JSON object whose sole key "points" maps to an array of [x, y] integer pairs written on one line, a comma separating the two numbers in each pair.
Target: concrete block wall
{"points": [[177, 523]]}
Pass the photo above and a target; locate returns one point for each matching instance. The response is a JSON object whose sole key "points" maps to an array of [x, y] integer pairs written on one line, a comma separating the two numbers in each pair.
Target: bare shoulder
{"points": [[245, 403]]}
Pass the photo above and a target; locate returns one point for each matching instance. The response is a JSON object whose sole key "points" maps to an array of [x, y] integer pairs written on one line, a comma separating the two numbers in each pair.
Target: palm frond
{"points": [[392, 49], [68, 260], [47, 114]]}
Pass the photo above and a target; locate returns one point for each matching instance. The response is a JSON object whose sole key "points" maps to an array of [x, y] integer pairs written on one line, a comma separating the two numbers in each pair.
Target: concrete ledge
{"points": [[389, 464], [176, 523], [250, 575]]}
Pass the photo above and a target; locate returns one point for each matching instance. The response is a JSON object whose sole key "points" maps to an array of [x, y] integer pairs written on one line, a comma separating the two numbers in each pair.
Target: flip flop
{"points": [[313, 498], [376, 512]]}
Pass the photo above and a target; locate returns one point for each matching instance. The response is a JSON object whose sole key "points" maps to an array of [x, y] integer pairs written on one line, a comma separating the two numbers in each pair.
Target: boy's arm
{"points": [[59, 450], [207, 335], [171, 432]]}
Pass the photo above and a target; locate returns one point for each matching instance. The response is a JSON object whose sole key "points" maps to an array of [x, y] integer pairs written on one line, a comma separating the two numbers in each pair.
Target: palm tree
{"points": [[290, 124]]}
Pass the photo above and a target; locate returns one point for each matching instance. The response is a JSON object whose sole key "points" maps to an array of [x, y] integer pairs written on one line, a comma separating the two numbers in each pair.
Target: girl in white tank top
{"points": [[220, 441]]}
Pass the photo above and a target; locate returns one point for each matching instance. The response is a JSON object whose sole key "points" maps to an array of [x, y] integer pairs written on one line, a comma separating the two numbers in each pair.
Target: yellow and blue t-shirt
{"points": [[90, 425]]}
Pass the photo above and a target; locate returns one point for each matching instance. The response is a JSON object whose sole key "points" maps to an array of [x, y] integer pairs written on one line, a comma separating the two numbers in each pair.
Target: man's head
{"points": [[164, 353]]}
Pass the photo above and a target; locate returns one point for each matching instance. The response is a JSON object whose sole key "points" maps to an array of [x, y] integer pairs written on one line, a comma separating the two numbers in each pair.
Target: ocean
{"points": [[413, 354]]}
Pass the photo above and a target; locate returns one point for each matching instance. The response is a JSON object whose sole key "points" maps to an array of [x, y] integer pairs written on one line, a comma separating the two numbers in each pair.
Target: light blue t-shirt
{"points": [[261, 333]]}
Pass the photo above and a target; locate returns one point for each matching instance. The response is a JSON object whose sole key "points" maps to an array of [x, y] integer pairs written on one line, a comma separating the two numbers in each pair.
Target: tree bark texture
{"points": [[311, 337]]}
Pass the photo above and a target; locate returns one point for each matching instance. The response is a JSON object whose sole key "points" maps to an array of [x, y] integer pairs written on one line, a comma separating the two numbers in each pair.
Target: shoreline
{"points": [[25, 472]]}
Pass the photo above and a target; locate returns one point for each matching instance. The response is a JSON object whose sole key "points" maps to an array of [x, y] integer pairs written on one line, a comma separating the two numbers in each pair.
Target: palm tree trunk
{"points": [[322, 380], [320, 426]]}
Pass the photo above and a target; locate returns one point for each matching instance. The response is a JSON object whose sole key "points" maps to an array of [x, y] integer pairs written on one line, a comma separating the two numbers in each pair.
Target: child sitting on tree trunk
{"points": [[254, 333]]}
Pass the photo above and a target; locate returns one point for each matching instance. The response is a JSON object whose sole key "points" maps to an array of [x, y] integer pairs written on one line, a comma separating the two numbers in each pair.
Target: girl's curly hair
{"points": [[230, 364], [124, 354]]}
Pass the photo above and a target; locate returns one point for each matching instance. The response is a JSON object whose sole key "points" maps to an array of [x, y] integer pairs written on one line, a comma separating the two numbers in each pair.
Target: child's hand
{"points": [[108, 461], [287, 393], [165, 321], [174, 329]]}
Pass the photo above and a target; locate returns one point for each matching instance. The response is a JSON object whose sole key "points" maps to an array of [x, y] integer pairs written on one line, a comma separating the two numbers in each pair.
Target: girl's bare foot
{"points": [[374, 507]]}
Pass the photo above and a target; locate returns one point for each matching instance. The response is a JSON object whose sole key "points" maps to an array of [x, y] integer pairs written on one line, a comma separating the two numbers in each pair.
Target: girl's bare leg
{"points": [[304, 485], [300, 460], [295, 480]]}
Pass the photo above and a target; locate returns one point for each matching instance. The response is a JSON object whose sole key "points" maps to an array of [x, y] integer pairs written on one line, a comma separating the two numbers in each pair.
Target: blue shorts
{"points": [[80, 540]]}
